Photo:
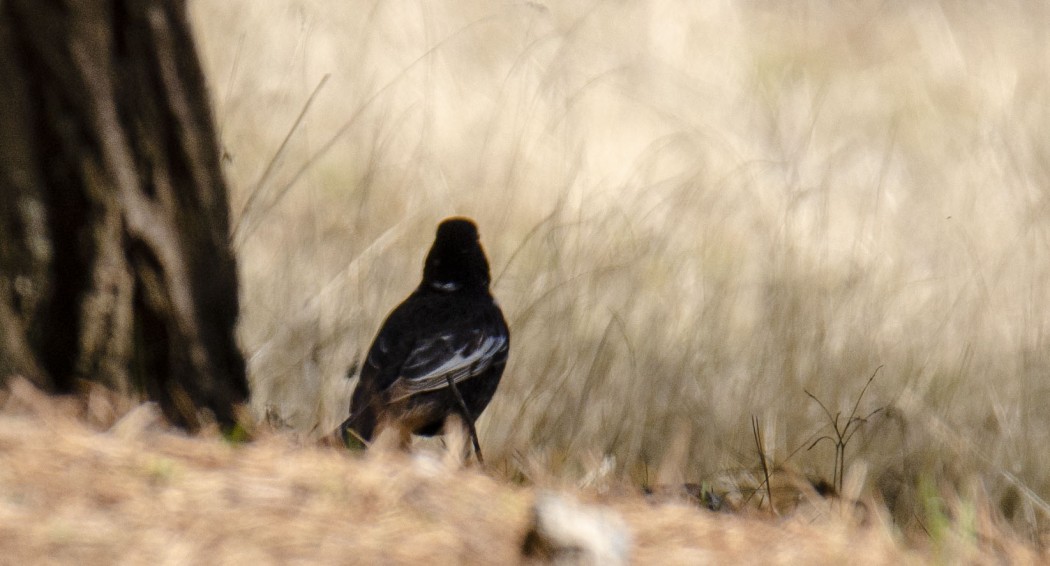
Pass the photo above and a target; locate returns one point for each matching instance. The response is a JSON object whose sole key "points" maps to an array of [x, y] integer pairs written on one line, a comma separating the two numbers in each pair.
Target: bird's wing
{"points": [[457, 355]]}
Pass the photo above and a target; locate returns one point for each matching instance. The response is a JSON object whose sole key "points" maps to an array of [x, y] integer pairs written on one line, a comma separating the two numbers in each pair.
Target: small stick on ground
{"points": [[468, 417]]}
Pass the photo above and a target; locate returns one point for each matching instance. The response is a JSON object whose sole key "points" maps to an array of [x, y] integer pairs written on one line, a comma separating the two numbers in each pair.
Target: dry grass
{"points": [[140, 494], [108, 487], [696, 212]]}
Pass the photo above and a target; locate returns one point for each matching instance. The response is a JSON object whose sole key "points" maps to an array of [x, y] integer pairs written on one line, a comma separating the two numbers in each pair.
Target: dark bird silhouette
{"points": [[440, 352]]}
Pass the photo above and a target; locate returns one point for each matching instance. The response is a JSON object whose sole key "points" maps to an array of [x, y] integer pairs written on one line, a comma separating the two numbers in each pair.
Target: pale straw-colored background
{"points": [[695, 212]]}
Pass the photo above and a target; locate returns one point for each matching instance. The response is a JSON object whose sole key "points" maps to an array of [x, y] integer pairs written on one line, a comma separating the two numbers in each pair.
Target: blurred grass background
{"points": [[695, 213]]}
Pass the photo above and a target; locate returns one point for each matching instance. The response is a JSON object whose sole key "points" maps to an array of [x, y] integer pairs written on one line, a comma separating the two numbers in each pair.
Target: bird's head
{"points": [[456, 260]]}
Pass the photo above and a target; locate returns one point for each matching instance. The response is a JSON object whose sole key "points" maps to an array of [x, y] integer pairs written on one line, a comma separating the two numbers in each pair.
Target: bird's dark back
{"points": [[424, 316]]}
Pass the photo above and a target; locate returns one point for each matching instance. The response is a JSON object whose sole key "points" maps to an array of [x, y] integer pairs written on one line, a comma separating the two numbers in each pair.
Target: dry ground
{"points": [[87, 483]]}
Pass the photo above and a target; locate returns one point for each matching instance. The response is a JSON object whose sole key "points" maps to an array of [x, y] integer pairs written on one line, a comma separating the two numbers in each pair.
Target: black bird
{"points": [[440, 352]]}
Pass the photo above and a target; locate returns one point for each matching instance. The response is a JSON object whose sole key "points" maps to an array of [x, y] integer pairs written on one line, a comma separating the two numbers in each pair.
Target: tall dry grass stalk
{"points": [[696, 212]]}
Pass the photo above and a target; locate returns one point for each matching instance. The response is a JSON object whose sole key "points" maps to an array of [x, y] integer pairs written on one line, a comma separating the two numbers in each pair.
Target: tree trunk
{"points": [[115, 263]]}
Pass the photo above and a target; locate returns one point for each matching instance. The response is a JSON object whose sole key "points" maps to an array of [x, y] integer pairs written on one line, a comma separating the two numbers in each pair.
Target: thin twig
{"points": [[843, 435], [243, 228]]}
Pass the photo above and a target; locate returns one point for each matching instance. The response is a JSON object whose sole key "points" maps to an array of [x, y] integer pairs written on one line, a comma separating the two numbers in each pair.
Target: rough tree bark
{"points": [[115, 263]]}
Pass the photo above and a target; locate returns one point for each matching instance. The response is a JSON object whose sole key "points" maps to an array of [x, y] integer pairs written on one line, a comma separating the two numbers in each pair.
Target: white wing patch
{"points": [[470, 360]]}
